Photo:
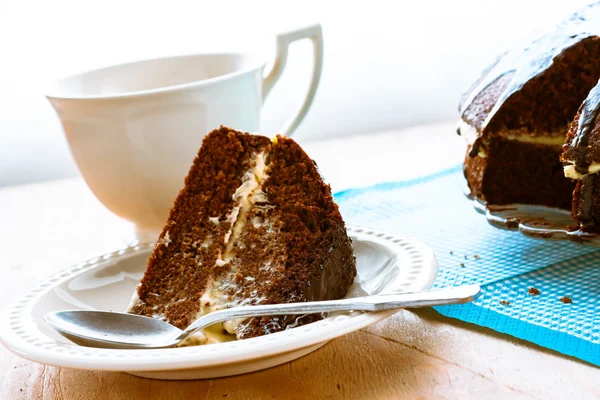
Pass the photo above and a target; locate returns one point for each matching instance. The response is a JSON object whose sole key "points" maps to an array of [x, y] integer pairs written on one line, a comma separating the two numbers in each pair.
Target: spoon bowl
{"points": [[106, 329]]}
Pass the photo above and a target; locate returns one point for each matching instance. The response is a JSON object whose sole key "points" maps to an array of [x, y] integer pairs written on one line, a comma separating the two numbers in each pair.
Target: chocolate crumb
{"points": [[476, 256], [533, 291], [451, 253], [505, 303], [225, 394], [462, 265], [566, 299], [338, 386]]}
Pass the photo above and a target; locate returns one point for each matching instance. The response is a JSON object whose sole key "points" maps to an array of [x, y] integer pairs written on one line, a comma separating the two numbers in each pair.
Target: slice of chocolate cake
{"points": [[581, 159], [516, 116], [254, 224]]}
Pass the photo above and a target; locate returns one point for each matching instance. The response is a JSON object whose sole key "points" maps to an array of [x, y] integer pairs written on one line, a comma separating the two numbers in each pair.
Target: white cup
{"points": [[134, 129]]}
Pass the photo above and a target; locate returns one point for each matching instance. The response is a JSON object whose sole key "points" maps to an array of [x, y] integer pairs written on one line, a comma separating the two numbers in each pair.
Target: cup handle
{"points": [[315, 34]]}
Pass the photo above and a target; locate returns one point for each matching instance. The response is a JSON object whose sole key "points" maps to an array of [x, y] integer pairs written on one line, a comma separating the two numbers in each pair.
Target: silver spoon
{"points": [[130, 331]]}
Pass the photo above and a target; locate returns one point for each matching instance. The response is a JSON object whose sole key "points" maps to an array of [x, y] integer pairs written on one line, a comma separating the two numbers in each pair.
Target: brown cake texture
{"points": [[534, 167], [581, 159], [516, 116], [254, 224]]}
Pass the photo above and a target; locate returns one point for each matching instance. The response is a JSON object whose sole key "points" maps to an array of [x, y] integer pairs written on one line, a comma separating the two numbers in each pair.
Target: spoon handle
{"points": [[451, 295]]}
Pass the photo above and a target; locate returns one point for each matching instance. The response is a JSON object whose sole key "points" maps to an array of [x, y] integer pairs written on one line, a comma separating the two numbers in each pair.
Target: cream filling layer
{"points": [[248, 193], [467, 132], [214, 297], [470, 134], [571, 172]]}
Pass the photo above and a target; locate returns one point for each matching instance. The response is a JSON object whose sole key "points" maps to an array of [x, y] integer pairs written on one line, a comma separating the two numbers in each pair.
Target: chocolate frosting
{"points": [[579, 148], [521, 65], [587, 121], [583, 213]]}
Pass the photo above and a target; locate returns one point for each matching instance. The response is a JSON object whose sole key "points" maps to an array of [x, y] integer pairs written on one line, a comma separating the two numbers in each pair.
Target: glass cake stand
{"points": [[537, 222]]}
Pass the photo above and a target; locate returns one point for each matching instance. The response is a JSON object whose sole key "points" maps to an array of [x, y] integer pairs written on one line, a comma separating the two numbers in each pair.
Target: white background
{"points": [[388, 64]]}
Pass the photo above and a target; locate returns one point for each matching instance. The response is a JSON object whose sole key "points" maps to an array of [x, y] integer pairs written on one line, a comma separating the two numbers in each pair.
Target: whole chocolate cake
{"points": [[254, 224], [516, 116]]}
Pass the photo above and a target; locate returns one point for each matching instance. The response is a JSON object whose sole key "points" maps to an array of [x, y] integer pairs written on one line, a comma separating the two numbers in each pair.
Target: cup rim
{"points": [[53, 90]]}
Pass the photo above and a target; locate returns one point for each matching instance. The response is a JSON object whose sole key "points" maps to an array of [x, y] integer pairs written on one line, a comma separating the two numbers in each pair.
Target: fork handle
{"points": [[438, 297]]}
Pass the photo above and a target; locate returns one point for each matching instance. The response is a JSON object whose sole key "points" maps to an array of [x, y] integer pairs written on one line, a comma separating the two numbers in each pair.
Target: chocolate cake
{"points": [[516, 116], [254, 224], [581, 159]]}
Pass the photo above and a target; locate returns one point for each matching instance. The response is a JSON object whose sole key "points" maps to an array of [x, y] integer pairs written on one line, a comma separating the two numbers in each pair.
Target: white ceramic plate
{"points": [[385, 264]]}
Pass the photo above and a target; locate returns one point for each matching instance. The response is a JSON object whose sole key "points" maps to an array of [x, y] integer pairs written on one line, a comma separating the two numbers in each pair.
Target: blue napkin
{"points": [[434, 210]]}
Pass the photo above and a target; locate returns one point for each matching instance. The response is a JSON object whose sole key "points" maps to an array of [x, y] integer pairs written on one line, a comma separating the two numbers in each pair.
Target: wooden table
{"points": [[48, 226]]}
